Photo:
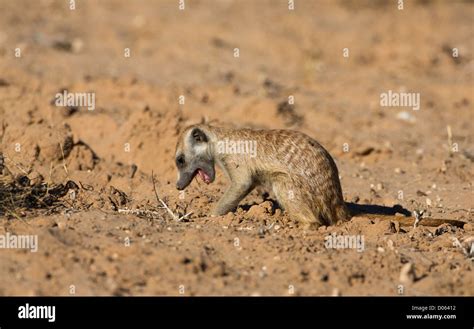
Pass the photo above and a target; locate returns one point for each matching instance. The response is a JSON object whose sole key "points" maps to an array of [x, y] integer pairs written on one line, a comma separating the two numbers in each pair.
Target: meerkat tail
{"points": [[410, 221]]}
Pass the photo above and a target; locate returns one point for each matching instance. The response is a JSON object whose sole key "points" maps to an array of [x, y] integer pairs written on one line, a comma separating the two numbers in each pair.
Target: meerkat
{"points": [[299, 171]]}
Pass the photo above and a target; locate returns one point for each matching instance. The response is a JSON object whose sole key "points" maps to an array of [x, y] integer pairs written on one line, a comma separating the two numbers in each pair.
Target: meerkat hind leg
{"points": [[297, 209]]}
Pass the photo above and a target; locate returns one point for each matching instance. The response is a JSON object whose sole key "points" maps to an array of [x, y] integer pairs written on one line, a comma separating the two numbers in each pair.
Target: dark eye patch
{"points": [[180, 160], [199, 135]]}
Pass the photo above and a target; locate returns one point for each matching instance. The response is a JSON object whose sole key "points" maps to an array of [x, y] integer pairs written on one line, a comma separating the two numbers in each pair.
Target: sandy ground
{"points": [[90, 245]]}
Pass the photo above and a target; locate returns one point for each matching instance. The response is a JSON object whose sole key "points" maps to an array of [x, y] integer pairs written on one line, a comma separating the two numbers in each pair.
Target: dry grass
{"points": [[19, 195]]}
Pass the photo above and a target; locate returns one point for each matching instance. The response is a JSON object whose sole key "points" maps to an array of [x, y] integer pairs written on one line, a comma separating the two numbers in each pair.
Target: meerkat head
{"points": [[194, 157]]}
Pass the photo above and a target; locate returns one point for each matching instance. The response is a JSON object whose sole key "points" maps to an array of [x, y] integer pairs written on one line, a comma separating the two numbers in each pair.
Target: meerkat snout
{"points": [[297, 169], [193, 157]]}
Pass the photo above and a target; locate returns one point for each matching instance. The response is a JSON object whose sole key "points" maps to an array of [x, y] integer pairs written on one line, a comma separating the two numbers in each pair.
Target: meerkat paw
{"points": [[219, 211], [307, 222], [310, 226]]}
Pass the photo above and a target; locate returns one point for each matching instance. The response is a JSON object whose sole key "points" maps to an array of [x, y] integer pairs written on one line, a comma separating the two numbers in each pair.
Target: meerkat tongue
{"points": [[205, 177]]}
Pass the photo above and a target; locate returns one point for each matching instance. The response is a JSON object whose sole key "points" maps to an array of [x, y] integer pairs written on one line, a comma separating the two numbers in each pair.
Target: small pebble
{"points": [[399, 171], [406, 116], [407, 273]]}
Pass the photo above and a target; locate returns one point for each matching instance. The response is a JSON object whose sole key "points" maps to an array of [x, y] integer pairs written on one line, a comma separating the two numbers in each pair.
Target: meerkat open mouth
{"points": [[204, 176]]}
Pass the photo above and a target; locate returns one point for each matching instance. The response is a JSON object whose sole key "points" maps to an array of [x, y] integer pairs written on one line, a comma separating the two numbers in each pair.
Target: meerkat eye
{"points": [[180, 161], [199, 136]]}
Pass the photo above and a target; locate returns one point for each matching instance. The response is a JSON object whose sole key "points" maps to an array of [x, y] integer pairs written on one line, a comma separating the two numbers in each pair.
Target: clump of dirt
{"points": [[22, 196], [287, 111]]}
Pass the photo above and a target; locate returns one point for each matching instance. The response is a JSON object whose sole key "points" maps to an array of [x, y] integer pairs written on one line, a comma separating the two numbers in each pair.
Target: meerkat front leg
{"points": [[231, 198]]}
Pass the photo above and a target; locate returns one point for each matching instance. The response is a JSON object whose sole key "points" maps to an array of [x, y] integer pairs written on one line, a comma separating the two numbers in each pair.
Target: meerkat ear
{"points": [[198, 135]]}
